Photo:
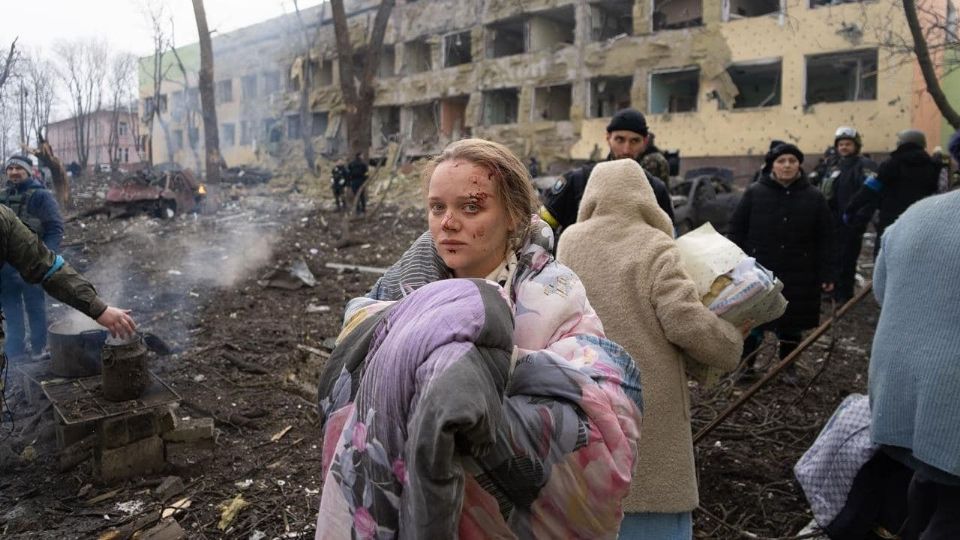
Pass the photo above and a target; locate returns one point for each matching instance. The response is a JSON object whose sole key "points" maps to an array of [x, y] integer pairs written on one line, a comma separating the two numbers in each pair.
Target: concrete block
{"points": [[68, 434], [139, 458], [192, 430], [167, 419], [121, 430]]}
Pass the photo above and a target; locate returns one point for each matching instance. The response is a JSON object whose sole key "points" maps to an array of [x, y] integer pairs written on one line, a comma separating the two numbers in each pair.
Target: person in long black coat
{"points": [[784, 223]]}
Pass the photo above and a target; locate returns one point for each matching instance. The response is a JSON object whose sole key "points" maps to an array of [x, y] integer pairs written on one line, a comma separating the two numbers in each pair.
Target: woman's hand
{"points": [[826, 287], [117, 321]]}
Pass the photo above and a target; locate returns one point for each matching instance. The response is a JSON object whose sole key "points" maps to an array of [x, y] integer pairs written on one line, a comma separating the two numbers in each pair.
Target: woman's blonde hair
{"points": [[511, 178]]}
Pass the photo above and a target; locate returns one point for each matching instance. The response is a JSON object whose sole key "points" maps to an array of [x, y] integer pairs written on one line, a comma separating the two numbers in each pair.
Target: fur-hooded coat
{"points": [[622, 248]]}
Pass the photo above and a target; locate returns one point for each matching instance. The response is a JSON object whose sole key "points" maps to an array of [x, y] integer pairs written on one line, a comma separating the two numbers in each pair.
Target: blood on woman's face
{"points": [[468, 219]]}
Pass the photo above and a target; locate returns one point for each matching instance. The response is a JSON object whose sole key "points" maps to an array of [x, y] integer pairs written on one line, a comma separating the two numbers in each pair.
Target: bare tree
{"points": [[358, 94], [307, 75], [83, 70], [156, 70], [41, 79], [8, 63], [208, 104], [121, 87], [921, 48]]}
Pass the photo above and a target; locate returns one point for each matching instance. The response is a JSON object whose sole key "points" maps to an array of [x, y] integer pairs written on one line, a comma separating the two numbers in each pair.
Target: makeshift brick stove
{"points": [[124, 418]]}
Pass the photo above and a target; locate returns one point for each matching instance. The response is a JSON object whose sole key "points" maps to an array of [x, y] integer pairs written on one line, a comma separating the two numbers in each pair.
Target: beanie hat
{"points": [[785, 148], [914, 136], [849, 133], [775, 143], [628, 120], [22, 161]]}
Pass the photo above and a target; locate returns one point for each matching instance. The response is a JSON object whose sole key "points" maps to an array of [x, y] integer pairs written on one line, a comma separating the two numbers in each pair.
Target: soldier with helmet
{"points": [[839, 184]]}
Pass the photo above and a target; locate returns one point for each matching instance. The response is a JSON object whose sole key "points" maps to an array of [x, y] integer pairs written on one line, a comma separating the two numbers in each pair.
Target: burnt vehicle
{"points": [[160, 192], [704, 194], [245, 175]]}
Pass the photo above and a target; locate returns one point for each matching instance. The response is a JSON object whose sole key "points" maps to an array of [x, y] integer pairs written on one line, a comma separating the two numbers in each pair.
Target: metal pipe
{"points": [[790, 359]]}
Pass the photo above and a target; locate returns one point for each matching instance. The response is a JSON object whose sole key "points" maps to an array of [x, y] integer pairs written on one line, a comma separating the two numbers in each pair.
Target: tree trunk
{"points": [[207, 102], [926, 65], [306, 118]]}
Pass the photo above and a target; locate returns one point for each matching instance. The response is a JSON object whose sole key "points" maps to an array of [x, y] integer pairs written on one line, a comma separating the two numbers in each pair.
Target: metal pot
{"points": [[125, 374], [74, 352]]}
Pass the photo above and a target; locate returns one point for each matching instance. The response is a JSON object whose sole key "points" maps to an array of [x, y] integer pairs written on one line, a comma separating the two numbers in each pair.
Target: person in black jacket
{"points": [[627, 136], [784, 223], [840, 182], [909, 175], [357, 169], [338, 181]]}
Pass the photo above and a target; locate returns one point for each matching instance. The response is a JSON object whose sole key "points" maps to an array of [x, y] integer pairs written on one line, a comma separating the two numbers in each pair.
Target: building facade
{"points": [[717, 79], [124, 145]]}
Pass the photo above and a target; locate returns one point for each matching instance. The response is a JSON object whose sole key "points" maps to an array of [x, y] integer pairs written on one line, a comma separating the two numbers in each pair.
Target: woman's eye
{"points": [[436, 208], [471, 208]]}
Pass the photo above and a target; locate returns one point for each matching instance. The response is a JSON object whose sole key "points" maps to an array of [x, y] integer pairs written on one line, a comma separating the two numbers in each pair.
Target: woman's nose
{"points": [[449, 223]]}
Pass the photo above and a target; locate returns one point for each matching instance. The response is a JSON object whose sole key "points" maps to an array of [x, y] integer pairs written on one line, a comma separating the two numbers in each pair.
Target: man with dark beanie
{"points": [[839, 184], [627, 137]]}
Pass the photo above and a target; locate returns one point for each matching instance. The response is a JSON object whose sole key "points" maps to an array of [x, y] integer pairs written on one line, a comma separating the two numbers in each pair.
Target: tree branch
{"points": [[926, 65], [11, 58]]}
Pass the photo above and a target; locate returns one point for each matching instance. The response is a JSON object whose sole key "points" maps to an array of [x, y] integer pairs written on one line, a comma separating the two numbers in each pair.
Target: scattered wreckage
{"points": [[161, 192]]}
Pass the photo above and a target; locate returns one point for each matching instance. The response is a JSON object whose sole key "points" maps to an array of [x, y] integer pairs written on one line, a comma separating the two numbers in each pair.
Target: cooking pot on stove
{"points": [[75, 350]]}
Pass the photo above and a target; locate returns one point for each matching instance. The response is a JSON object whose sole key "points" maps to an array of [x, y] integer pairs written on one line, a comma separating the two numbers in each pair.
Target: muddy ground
{"points": [[197, 282]]}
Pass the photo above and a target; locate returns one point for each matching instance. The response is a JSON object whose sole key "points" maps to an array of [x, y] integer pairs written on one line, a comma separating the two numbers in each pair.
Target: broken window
{"points": [[953, 24], [501, 106], [273, 130], [293, 126], [741, 9], [610, 19], [224, 92], [423, 124], [506, 38], [673, 14], [385, 124], [248, 87], [758, 84], [847, 76], [549, 28], [416, 56], [177, 139], [818, 3], [271, 82], [325, 77], [293, 81], [320, 122], [387, 60], [453, 116], [552, 102], [674, 91], [609, 95], [228, 133], [456, 49], [246, 135]]}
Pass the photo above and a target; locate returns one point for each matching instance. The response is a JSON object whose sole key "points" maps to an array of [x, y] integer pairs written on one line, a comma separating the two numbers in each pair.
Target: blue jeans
{"points": [[656, 526], [15, 295]]}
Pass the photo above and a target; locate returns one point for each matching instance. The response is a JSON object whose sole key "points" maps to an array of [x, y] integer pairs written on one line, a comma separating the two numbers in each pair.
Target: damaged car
{"points": [[161, 193], [704, 195]]}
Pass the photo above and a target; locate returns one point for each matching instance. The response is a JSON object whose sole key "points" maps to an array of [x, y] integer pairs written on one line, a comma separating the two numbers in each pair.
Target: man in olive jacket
{"points": [[24, 251]]}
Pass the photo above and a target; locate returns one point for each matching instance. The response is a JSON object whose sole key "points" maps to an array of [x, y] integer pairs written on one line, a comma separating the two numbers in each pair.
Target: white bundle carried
{"points": [[731, 284]]}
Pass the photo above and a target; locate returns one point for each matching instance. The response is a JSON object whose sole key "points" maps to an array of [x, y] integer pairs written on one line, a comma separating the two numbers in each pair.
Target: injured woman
{"points": [[472, 393]]}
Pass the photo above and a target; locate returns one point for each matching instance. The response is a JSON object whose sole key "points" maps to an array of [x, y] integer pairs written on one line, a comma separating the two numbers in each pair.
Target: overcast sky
{"points": [[123, 23]]}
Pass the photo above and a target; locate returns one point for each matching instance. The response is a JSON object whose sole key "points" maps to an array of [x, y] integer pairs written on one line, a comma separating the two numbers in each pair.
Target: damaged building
{"points": [[717, 79]]}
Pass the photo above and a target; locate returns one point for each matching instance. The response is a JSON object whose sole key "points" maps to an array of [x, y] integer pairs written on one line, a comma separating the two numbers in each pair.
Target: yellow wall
{"points": [[803, 31]]}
